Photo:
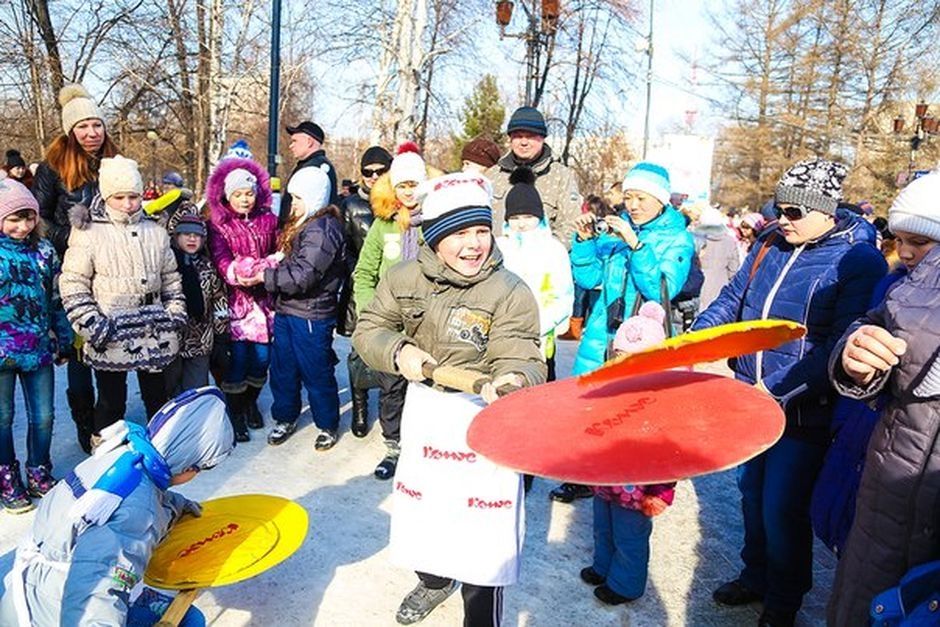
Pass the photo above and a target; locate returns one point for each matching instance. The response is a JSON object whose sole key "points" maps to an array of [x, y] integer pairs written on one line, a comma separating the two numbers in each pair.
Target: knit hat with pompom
{"points": [[77, 105], [408, 165], [642, 330]]}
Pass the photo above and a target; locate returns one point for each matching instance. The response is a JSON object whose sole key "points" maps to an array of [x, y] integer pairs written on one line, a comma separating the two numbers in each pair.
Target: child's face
{"points": [[466, 250], [405, 193], [125, 202], [297, 207], [242, 200], [20, 224], [189, 242], [912, 247], [523, 223]]}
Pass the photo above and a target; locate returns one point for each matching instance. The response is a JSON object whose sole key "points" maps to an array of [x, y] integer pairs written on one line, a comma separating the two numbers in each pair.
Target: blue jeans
{"points": [[248, 365], [38, 386], [621, 547], [776, 488], [303, 353]]}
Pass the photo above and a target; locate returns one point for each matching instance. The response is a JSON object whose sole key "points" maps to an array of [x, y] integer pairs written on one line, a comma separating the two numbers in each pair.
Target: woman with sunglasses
{"points": [[357, 218], [817, 267], [395, 235]]}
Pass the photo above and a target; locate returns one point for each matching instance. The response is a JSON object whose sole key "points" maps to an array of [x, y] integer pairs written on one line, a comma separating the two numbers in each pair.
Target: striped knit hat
{"points": [[454, 202], [650, 178]]}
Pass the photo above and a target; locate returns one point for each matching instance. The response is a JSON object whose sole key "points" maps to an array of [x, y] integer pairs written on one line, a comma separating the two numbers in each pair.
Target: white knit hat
{"points": [[917, 208], [312, 186], [454, 202], [118, 174], [408, 165], [77, 105]]}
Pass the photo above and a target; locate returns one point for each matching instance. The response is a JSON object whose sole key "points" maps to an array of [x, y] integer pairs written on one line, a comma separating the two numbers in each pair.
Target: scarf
{"points": [[410, 238]]}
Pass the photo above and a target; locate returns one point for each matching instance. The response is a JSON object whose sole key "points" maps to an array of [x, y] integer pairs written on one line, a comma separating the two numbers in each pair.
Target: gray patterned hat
{"points": [[813, 183]]}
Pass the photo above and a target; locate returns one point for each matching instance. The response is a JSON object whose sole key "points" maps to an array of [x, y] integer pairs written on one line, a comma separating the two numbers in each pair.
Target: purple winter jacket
{"points": [[233, 236]]}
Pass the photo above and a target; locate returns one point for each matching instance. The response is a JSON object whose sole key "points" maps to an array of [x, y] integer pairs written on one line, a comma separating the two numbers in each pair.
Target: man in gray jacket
{"points": [[555, 182]]}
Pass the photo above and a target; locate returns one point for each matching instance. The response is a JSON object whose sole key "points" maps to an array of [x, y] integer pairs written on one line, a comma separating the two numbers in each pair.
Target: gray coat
{"points": [[898, 507], [86, 579]]}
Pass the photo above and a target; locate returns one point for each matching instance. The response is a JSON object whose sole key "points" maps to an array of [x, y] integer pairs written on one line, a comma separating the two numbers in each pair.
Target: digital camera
{"points": [[601, 226]]}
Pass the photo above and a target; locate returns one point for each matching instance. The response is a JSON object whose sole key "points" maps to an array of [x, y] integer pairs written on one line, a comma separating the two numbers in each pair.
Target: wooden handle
{"points": [[462, 379], [174, 614]]}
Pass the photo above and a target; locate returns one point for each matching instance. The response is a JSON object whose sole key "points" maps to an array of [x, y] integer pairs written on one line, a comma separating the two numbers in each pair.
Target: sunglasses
{"points": [[369, 173], [793, 213]]}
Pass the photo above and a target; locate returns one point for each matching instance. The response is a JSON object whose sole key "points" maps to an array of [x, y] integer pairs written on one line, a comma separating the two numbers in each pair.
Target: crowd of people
{"points": [[485, 269]]}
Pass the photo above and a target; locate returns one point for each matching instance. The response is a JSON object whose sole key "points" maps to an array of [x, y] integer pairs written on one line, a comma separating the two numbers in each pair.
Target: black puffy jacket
{"points": [[55, 202]]}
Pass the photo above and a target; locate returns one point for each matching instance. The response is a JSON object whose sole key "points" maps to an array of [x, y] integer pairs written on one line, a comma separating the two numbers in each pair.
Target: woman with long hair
{"points": [[69, 177]]}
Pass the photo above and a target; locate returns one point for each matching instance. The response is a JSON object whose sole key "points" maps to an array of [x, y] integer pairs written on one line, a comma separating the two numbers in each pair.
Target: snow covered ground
{"points": [[342, 576]]}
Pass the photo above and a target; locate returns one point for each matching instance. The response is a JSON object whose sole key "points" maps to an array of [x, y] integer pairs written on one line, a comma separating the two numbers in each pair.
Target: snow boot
{"points": [[386, 468], [575, 326], [252, 414], [13, 495], [39, 480], [421, 601], [568, 492], [236, 414], [83, 414], [360, 413]]}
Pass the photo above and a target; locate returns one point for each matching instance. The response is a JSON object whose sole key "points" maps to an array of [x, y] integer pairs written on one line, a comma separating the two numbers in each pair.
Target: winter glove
{"points": [[653, 506]]}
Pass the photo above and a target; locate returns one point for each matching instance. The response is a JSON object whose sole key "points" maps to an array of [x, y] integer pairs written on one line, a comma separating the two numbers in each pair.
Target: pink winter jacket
{"points": [[233, 237]]}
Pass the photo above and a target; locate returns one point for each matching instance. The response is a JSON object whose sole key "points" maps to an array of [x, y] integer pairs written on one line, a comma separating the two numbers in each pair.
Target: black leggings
{"points": [[482, 605], [112, 395]]}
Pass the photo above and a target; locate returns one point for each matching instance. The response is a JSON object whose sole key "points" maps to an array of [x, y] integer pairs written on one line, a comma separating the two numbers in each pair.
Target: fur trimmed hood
{"points": [[384, 203], [219, 210]]}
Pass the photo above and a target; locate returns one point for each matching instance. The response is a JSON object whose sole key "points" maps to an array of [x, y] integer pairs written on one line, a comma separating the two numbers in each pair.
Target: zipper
{"points": [[758, 374]]}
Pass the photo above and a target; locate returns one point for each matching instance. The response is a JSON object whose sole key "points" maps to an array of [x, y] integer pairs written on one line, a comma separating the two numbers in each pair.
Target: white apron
{"points": [[455, 514]]}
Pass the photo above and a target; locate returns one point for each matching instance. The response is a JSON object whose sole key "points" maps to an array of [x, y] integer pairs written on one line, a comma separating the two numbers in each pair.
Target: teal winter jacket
{"points": [[607, 262]]}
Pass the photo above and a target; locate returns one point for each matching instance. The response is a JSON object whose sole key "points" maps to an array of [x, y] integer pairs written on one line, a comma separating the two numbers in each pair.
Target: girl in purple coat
{"points": [[242, 238]]}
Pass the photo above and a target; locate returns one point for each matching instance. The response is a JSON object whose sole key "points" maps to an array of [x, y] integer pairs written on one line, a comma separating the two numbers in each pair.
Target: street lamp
{"points": [[275, 90], [925, 126], [542, 17]]}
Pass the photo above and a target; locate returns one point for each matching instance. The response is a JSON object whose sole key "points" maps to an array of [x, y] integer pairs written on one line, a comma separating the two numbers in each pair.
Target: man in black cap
{"points": [[306, 144], [555, 182]]}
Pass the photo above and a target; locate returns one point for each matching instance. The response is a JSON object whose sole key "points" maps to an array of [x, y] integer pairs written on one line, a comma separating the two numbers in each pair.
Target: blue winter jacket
{"points": [[30, 306], [603, 261], [824, 285]]}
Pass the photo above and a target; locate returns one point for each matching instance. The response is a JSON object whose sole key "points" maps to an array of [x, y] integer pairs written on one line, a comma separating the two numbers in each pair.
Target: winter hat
{"points": [[118, 174], [239, 149], [375, 154], [408, 165], [915, 210], [190, 223], [77, 105], [523, 199], [753, 220], [527, 119], [812, 183], [15, 159], [312, 186], [650, 178], [642, 330], [308, 128], [481, 150], [240, 178], [173, 178], [14, 197], [454, 202]]}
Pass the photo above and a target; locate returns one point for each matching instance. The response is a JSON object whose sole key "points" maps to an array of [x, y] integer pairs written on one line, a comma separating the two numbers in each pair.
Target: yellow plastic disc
{"points": [[236, 538]]}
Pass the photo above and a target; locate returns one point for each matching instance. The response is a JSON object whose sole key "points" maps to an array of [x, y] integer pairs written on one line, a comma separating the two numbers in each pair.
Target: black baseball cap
{"points": [[309, 128]]}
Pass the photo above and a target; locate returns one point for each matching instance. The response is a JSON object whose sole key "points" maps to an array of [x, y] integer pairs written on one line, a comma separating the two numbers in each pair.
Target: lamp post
{"points": [[649, 83], [275, 86], [542, 22], [925, 126]]}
